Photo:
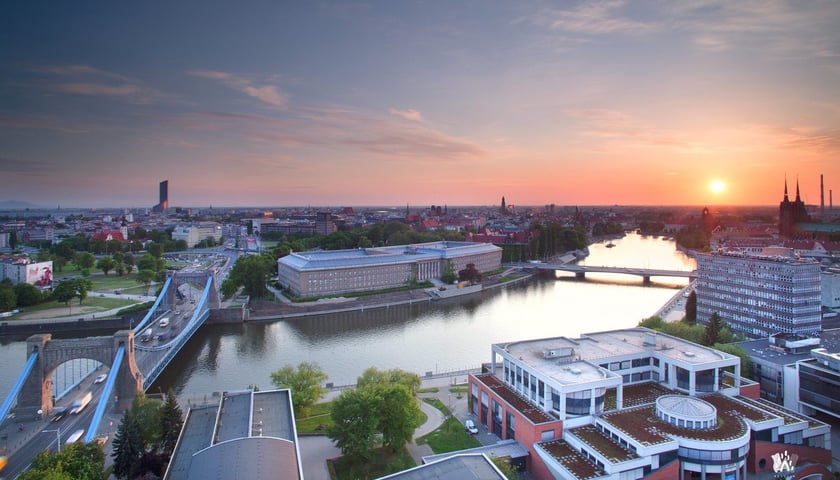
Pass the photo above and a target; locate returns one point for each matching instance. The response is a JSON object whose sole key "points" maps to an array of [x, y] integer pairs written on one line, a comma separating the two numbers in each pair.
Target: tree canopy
{"points": [[75, 461], [251, 272], [305, 383]]}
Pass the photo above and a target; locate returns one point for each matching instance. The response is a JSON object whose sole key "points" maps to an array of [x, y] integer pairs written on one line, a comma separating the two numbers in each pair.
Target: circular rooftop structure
{"points": [[686, 412]]}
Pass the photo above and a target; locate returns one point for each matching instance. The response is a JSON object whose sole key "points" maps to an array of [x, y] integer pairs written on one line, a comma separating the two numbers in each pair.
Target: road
{"points": [[37, 440]]}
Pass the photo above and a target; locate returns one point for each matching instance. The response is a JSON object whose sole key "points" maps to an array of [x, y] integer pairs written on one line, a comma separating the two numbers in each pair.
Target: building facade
{"points": [[194, 233], [819, 383], [321, 273], [830, 287], [24, 270], [163, 197], [759, 295], [634, 403]]}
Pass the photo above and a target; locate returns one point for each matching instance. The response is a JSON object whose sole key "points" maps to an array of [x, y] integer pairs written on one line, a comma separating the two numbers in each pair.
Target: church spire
{"points": [[797, 190], [786, 194]]}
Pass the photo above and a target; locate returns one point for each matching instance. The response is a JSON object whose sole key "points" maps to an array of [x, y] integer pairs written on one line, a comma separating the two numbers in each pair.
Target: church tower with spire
{"points": [[504, 207], [791, 213]]}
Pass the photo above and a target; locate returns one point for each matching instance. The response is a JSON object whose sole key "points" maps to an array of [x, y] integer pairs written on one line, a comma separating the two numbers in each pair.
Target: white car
{"points": [[100, 378], [469, 426]]}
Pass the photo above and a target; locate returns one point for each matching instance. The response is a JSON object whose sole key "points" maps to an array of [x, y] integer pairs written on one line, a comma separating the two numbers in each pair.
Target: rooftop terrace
{"points": [[602, 443], [572, 460], [517, 401]]}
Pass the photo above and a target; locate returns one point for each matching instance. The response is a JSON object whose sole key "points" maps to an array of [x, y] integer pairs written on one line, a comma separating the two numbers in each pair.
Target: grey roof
{"points": [[760, 350], [459, 466], [251, 458], [319, 259], [248, 435]]}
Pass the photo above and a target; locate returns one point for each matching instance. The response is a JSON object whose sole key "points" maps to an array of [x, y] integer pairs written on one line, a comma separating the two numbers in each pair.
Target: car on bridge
{"points": [[100, 378]]}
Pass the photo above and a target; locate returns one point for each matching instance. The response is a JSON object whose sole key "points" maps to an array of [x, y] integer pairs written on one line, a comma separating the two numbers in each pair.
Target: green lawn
{"points": [[384, 462], [317, 421], [428, 390], [450, 437], [116, 282]]}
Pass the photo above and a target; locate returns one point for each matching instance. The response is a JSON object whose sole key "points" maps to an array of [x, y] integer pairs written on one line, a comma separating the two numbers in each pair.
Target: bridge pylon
{"points": [[37, 391]]}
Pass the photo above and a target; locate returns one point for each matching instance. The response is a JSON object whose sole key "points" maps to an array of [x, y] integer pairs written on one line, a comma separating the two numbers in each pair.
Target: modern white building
{"points": [[194, 233], [19, 269], [634, 403], [830, 287], [319, 273], [760, 295]]}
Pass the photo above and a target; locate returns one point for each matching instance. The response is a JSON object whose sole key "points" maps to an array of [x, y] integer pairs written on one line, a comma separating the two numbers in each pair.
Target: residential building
{"points": [[771, 357], [760, 295], [194, 233], [22, 269], [635, 403], [246, 435], [324, 224], [319, 273]]}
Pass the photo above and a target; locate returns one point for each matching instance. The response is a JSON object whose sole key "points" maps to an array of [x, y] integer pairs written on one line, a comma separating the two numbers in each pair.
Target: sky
{"points": [[458, 102]]}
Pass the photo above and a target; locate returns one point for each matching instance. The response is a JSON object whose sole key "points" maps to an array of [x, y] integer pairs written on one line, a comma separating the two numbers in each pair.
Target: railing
{"points": [[106, 394], [24, 374]]}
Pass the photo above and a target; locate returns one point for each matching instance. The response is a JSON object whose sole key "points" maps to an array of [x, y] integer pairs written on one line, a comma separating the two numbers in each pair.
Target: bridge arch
{"points": [[36, 393], [195, 278]]}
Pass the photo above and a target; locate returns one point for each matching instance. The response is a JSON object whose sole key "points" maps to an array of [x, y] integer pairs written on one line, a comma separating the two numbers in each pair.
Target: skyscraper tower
{"points": [[163, 198], [504, 207]]}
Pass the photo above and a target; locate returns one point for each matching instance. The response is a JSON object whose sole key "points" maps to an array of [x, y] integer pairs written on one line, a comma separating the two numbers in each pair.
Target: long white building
{"points": [[320, 273]]}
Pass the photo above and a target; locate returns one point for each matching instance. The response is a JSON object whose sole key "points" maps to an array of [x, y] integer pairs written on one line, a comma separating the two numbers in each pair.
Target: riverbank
{"points": [[282, 309]]}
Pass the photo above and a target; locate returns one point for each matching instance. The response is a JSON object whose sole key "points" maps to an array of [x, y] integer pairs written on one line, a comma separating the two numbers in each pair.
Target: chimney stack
{"points": [[822, 196]]}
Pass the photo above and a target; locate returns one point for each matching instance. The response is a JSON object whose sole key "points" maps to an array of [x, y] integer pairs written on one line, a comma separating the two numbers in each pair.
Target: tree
{"points": [[8, 299], [354, 415], [106, 264], [449, 275], [119, 268], [27, 295], [713, 330], [250, 272], [128, 447], [82, 286], [470, 273], [746, 362], [155, 249], [375, 377], [145, 277], [64, 291], [171, 421], [129, 262], [147, 412], [84, 260], [691, 307], [398, 413], [75, 461], [304, 382]]}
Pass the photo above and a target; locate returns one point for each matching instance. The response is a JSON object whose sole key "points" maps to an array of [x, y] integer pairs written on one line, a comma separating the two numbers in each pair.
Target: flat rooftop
{"points": [[592, 349], [474, 466]]}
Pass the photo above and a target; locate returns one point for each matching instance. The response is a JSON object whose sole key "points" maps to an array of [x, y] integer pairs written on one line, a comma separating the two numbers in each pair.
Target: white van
{"points": [[164, 322]]}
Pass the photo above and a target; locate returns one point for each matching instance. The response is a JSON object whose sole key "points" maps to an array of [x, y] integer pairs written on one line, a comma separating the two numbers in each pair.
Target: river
{"points": [[436, 337]]}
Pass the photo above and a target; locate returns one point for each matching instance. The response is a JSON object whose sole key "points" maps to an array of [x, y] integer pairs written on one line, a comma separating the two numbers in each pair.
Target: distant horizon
{"points": [[4, 207]]}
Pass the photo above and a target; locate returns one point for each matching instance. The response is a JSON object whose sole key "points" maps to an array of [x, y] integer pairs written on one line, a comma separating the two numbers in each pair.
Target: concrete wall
{"points": [[229, 315]]}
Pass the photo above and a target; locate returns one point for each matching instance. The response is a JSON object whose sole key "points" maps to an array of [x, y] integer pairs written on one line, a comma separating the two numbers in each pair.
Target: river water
{"points": [[453, 334]]}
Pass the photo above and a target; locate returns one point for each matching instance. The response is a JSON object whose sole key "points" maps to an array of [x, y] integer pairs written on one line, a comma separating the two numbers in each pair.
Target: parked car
{"points": [[469, 426]]}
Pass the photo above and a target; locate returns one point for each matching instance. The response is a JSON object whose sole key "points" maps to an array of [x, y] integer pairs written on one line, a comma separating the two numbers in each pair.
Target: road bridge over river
{"points": [[580, 271], [136, 357]]}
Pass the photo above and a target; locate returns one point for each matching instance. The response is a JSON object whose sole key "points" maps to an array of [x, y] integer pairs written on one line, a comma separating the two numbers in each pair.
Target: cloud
{"points": [[615, 125], [598, 17], [91, 81], [268, 94], [409, 114], [29, 168]]}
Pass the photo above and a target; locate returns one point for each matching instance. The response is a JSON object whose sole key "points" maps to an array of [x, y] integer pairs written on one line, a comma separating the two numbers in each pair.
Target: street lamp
{"points": [[57, 436]]}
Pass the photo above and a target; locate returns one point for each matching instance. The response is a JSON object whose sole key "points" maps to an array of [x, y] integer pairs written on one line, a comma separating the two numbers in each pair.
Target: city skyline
{"points": [[380, 103]]}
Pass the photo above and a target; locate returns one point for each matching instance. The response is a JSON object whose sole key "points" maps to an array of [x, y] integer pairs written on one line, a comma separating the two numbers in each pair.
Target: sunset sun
{"points": [[717, 186]]}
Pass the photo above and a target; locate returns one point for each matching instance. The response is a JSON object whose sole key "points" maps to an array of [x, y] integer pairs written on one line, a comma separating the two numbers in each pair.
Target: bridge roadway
{"points": [[151, 357], [581, 270]]}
